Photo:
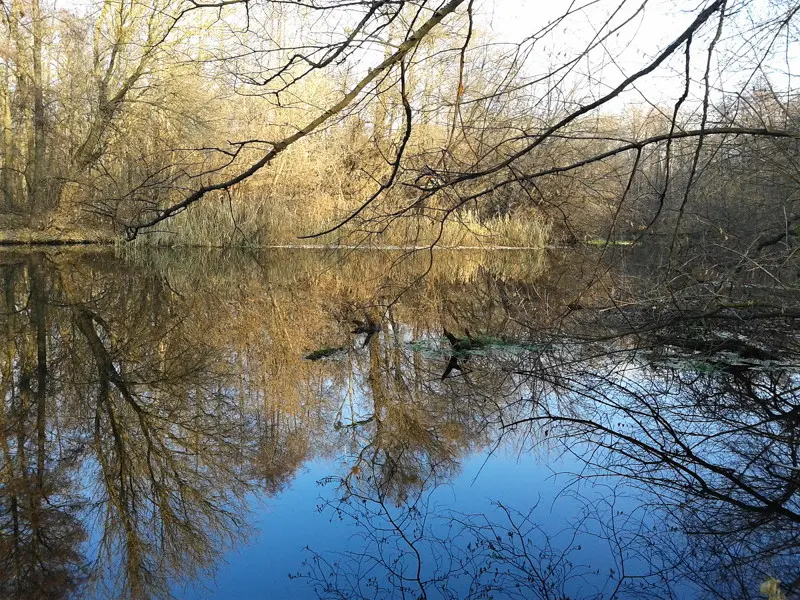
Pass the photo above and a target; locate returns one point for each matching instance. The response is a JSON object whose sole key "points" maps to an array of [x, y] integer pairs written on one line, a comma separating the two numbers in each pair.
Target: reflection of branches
{"points": [[420, 550], [714, 447], [40, 529], [712, 453], [166, 441], [696, 413], [168, 471]]}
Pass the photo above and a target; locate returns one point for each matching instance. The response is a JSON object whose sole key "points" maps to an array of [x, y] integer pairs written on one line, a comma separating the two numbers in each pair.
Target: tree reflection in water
{"points": [[144, 402], [115, 423], [706, 442]]}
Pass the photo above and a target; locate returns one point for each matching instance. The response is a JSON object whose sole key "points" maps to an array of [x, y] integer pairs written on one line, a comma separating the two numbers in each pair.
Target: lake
{"points": [[293, 424]]}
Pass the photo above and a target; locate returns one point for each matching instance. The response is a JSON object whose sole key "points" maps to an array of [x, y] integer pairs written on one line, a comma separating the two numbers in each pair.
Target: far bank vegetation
{"points": [[116, 109]]}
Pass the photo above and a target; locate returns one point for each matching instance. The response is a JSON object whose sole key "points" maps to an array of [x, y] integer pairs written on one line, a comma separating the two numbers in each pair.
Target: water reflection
{"points": [[149, 399], [710, 453]]}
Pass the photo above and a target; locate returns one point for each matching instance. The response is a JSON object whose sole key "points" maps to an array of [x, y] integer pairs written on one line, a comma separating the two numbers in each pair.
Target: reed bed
{"points": [[228, 223]]}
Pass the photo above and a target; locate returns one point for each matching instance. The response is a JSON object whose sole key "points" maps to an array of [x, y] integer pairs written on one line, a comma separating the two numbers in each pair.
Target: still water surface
{"points": [[305, 425]]}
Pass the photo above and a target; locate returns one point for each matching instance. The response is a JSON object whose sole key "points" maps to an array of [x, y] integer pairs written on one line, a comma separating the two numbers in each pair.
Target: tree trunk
{"points": [[8, 149], [38, 185]]}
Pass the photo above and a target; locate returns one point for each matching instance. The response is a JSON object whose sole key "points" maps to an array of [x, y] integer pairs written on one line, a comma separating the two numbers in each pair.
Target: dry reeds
{"points": [[237, 223]]}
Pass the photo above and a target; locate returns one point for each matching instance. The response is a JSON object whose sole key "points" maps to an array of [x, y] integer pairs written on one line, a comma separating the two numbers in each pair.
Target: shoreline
{"points": [[56, 242], [29, 238]]}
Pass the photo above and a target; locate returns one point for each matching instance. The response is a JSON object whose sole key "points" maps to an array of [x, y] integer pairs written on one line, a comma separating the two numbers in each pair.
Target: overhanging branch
{"points": [[278, 147]]}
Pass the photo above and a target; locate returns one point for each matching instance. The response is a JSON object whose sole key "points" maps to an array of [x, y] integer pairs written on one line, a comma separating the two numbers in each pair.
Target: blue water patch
{"points": [[296, 524]]}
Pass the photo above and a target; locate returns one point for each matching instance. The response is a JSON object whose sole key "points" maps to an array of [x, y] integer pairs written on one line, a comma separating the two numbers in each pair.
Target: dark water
{"points": [[302, 425]]}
